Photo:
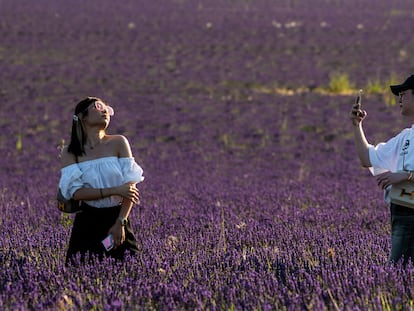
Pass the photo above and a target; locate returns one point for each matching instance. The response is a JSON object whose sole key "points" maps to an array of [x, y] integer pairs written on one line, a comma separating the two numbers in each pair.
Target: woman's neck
{"points": [[94, 137]]}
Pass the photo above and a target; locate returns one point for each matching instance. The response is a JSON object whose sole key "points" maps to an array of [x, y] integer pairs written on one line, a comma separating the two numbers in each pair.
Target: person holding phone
{"points": [[99, 170], [392, 162]]}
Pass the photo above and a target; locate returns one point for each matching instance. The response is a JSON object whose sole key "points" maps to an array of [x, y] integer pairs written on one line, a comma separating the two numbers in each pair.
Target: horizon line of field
{"points": [[339, 85]]}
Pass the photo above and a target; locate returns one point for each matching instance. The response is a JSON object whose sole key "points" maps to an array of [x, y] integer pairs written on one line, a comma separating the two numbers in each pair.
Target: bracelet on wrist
{"points": [[410, 177]]}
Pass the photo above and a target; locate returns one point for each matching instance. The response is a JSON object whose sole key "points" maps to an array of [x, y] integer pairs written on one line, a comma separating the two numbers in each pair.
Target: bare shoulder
{"points": [[66, 158], [121, 144]]}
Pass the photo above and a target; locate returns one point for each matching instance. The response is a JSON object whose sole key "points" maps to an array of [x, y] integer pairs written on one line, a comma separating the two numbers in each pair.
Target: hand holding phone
{"points": [[108, 242], [357, 114]]}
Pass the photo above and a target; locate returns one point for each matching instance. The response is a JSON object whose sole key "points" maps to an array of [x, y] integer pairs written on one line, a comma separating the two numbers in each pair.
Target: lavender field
{"points": [[237, 110]]}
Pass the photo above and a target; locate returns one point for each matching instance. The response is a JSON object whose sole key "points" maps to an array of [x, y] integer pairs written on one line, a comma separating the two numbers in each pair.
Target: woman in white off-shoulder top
{"points": [[99, 170]]}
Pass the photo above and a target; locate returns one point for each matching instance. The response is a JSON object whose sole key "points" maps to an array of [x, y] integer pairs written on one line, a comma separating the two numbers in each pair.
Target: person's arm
{"points": [[357, 116], [117, 230], [127, 191], [362, 145], [388, 178]]}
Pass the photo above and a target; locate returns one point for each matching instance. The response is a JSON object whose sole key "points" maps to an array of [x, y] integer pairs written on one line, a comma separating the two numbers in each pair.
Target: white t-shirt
{"points": [[397, 154], [103, 172]]}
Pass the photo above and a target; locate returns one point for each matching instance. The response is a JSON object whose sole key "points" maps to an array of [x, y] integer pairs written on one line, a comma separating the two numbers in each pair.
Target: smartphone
{"points": [[108, 242], [359, 102], [359, 98]]}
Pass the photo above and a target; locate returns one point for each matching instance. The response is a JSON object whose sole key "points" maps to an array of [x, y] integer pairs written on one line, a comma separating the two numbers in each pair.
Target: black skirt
{"points": [[90, 227]]}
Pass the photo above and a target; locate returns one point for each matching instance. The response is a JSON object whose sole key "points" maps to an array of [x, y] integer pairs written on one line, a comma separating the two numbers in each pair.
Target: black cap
{"points": [[407, 85]]}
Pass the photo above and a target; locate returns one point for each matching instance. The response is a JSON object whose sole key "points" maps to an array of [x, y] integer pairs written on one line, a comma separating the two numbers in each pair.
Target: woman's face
{"points": [[99, 114], [406, 101]]}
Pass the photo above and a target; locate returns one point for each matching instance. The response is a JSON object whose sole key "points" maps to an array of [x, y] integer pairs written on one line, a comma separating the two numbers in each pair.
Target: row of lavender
{"points": [[251, 200]]}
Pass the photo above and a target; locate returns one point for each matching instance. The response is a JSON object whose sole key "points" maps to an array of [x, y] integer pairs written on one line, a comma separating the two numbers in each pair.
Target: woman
{"points": [[395, 160], [99, 170]]}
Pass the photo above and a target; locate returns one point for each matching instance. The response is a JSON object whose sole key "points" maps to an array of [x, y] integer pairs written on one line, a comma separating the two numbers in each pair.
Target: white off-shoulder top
{"points": [[103, 172]]}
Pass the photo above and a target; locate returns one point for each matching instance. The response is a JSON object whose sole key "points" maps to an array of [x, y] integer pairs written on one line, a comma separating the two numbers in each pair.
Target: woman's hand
{"points": [[118, 233], [129, 191], [387, 179]]}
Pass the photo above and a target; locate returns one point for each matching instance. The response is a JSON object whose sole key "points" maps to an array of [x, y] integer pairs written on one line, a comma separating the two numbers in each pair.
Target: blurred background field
{"points": [[238, 113]]}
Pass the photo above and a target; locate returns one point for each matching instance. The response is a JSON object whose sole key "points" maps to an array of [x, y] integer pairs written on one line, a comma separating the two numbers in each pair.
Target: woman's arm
{"points": [[117, 230], [127, 191]]}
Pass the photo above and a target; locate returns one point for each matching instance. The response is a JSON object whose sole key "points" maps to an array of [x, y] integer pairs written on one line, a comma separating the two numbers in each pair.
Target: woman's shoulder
{"points": [[67, 158], [120, 139], [121, 144]]}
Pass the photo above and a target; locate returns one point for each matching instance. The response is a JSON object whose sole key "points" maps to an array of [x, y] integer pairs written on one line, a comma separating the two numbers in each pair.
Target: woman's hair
{"points": [[78, 136]]}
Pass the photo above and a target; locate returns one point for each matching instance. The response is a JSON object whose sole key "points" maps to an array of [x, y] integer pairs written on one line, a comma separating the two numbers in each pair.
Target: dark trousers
{"points": [[402, 233], [90, 227]]}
